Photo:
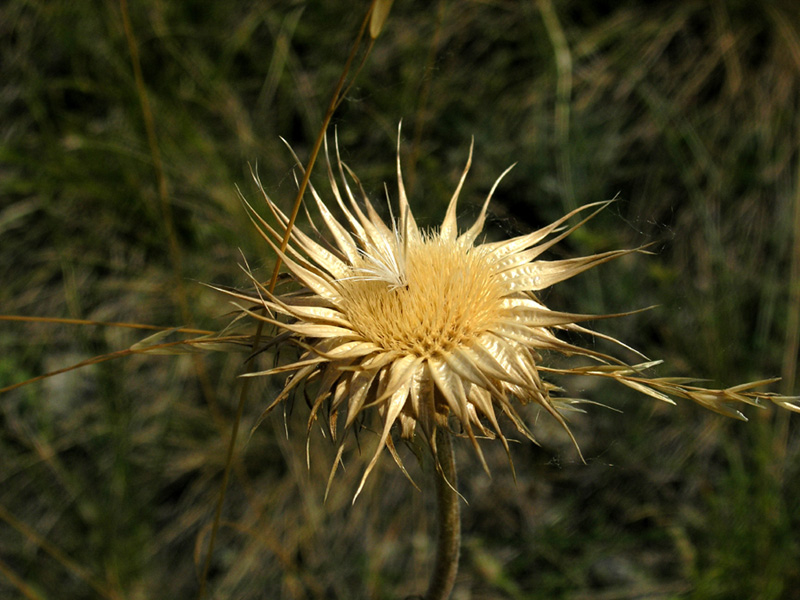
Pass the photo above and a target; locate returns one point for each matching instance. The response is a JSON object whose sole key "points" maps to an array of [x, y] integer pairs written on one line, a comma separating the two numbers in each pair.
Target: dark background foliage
{"points": [[687, 112]]}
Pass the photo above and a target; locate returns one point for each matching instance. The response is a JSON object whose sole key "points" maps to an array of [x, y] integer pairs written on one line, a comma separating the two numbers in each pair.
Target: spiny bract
{"points": [[422, 325]]}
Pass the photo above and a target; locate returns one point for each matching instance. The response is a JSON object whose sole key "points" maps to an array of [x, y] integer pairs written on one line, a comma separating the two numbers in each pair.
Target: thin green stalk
{"points": [[448, 544], [562, 115], [563, 60], [792, 340]]}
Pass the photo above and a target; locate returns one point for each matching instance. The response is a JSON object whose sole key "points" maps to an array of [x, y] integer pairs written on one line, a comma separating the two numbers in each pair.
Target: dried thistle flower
{"points": [[421, 325]]}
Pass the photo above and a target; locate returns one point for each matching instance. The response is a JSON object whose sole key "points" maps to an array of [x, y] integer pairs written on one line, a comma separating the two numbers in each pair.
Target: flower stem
{"points": [[447, 512]]}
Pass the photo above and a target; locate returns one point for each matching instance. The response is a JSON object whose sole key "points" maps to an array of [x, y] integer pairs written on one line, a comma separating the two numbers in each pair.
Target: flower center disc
{"points": [[448, 299]]}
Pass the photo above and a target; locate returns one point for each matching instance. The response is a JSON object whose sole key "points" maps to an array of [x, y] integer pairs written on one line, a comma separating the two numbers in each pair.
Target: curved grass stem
{"points": [[448, 544], [334, 103]]}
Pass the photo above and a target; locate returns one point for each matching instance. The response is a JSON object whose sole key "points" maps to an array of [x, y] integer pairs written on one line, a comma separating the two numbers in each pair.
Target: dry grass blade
{"points": [[335, 100], [64, 560], [60, 321], [21, 586], [150, 345]]}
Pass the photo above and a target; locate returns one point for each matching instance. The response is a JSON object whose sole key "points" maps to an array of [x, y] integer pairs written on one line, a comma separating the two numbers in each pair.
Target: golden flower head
{"points": [[427, 325]]}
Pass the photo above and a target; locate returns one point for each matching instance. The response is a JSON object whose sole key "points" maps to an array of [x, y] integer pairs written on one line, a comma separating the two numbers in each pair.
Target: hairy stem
{"points": [[447, 512]]}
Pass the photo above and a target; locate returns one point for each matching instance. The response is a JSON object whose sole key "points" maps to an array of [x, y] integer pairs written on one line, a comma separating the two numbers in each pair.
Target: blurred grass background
{"points": [[688, 111]]}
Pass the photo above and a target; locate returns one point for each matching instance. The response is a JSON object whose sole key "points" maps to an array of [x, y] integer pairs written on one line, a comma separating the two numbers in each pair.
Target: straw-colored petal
{"points": [[360, 383], [392, 411], [448, 229]]}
